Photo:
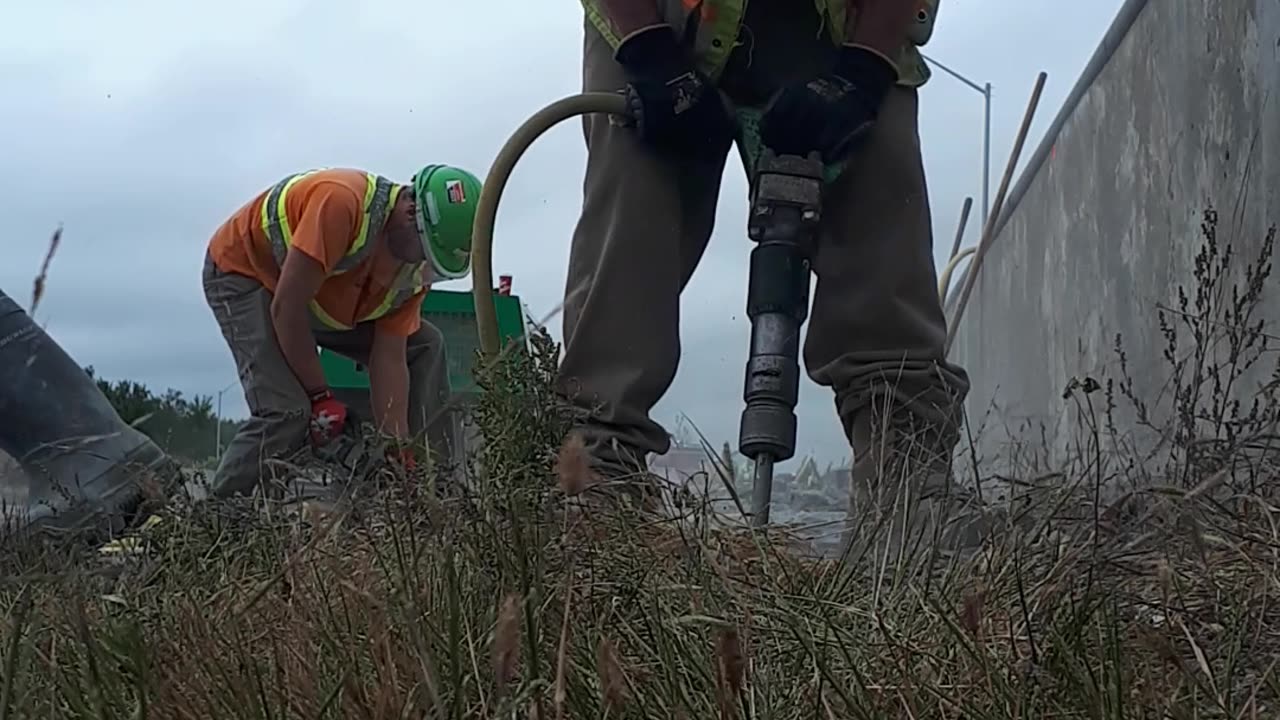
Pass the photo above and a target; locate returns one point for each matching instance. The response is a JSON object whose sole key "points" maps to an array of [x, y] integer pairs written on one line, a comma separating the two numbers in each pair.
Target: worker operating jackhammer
{"points": [[831, 76], [342, 259]]}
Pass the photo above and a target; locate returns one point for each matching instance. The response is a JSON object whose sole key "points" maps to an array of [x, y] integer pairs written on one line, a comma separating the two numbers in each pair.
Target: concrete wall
{"points": [[1181, 97]]}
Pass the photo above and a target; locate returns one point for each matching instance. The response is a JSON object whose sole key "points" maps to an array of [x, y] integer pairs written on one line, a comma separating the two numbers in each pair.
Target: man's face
{"points": [[402, 229]]}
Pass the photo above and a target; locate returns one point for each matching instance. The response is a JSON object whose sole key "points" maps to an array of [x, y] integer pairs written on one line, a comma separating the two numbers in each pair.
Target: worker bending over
{"points": [[836, 76], [342, 259]]}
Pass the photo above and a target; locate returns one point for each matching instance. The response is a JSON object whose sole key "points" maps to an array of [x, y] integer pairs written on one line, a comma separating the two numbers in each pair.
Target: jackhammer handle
{"points": [[606, 103], [491, 193]]}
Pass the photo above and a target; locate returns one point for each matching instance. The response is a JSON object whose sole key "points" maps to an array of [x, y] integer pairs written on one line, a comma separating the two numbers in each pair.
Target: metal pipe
{"points": [[986, 154], [761, 490], [964, 220], [984, 244]]}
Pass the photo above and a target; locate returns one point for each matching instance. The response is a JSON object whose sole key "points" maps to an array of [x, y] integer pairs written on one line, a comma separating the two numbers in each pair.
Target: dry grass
{"points": [[509, 603], [512, 600]]}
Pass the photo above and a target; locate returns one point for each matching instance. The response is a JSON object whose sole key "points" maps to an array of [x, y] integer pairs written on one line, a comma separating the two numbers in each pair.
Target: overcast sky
{"points": [[140, 126]]}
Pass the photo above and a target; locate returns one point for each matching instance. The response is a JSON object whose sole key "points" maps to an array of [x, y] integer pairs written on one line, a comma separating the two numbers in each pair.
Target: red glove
{"points": [[328, 417], [404, 456]]}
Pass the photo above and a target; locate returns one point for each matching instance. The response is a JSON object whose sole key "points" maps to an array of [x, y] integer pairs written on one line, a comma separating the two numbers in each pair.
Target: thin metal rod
{"points": [[964, 220], [953, 73], [761, 490], [986, 155], [985, 91], [967, 281]]}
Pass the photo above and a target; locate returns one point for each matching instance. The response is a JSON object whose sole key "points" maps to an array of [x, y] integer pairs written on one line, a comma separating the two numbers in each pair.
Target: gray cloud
{"points": [[141, 129]]}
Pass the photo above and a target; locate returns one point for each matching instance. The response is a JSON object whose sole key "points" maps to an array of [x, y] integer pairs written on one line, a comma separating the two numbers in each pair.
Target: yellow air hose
{"points": [[944, 282], [491, 193]]}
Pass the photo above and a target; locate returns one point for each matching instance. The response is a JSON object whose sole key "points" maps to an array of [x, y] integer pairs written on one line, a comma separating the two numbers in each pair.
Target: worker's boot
{"points": [[87, 470], [903, 499], [623, 482]]}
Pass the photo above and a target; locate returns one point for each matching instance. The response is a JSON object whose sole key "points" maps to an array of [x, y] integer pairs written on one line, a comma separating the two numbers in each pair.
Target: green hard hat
{"points": [[446, 197]]}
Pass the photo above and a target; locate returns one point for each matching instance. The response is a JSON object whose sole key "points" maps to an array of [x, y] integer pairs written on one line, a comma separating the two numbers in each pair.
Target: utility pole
{"points": [[985, 90]]}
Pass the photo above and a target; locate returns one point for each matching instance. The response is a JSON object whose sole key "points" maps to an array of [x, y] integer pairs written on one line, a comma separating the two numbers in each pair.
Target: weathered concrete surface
{"points": [[1184, 112], [13, 488]]}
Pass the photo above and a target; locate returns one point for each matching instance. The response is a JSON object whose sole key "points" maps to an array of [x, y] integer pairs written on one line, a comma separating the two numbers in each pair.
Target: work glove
{"points": [[328, 417], [404, 457], [672, 105], [829, 112]]}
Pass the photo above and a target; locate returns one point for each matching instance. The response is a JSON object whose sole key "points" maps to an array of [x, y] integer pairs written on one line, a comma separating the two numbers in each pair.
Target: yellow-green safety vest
{"points": [[720, 22], [379, 198]]}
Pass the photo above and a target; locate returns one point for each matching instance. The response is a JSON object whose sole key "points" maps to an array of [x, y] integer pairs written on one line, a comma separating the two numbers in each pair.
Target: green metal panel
{"points": [[454, 313]]}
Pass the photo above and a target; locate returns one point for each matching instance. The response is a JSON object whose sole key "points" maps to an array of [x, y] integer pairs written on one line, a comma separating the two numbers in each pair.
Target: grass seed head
{"points": [[731, 658], [612, 682], [573, 468], [972, 612], [506, 640]]}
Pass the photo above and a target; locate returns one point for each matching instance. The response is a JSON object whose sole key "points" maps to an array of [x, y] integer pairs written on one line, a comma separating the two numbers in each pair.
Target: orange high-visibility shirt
{"points": [[324, 212]]}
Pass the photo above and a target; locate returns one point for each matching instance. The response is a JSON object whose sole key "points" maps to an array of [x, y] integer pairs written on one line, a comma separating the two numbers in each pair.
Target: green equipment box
{"points": [[454, 313]]}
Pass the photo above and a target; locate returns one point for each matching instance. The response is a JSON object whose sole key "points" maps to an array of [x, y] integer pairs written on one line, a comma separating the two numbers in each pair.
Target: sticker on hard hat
{"points": [[453, 189]]}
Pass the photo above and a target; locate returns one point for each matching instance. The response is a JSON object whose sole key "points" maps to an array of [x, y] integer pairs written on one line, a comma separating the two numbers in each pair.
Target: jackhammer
{"points": [[784, 215], [786, 207]]}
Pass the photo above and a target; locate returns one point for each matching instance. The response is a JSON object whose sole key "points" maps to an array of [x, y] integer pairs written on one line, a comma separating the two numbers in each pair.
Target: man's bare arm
{"points": [[881, 25], [628, 16], [389, 384], [300, 279]]}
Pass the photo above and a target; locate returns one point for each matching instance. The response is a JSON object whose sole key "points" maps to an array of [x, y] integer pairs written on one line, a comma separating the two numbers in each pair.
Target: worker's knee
{"points": [[280, 427], [428, 366], [425, 346]]}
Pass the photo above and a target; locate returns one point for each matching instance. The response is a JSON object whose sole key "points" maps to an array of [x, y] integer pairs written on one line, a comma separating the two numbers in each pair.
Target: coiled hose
{"points": [[491, 192]]}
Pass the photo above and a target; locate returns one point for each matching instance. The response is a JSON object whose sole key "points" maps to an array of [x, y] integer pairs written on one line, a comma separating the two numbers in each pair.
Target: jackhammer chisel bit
{"points": [[786, 206]]}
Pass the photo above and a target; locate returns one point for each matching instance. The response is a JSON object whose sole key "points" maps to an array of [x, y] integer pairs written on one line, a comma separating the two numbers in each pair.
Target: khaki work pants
{"points": [[876, 329], [279, 409]]}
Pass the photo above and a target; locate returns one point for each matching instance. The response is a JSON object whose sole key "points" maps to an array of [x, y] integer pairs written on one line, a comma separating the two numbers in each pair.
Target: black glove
{"points": [[672, 104], [829, 112]]}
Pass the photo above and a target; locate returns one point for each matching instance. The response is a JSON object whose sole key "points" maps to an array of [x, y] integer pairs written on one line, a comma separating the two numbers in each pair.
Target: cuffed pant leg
{"points": [[877, 332]]}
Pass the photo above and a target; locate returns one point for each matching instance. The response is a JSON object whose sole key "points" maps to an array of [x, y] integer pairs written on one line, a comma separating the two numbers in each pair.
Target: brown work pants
{"points": [[279, 409], [876, 330]]}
